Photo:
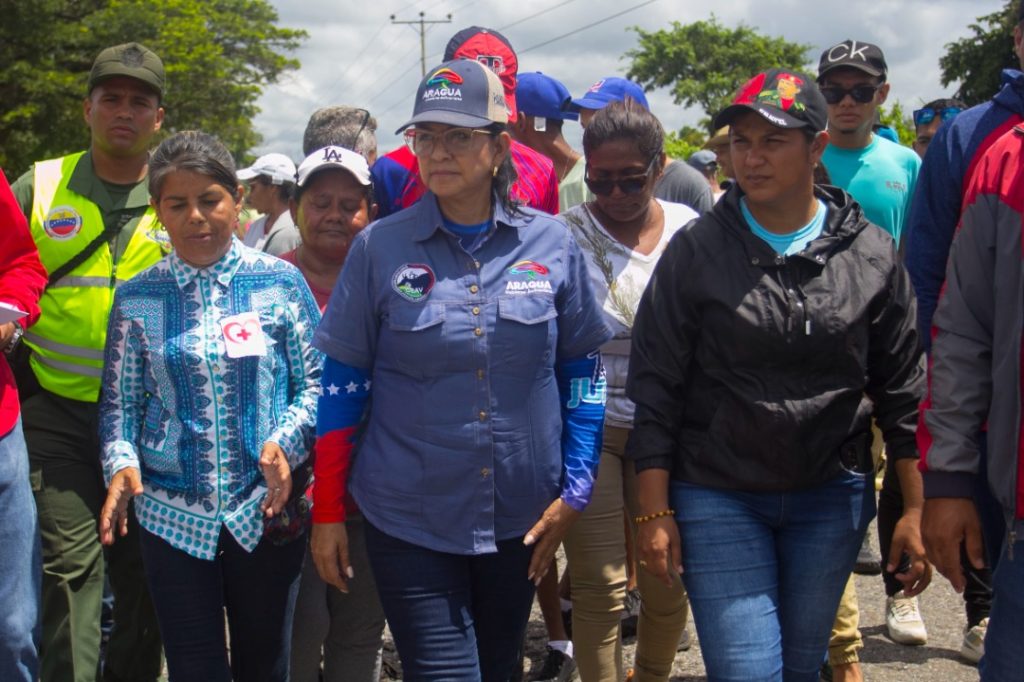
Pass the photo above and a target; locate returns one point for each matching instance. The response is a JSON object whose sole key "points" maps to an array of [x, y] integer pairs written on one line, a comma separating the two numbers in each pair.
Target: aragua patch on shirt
{"points": [[527, 277], [413, 281]]}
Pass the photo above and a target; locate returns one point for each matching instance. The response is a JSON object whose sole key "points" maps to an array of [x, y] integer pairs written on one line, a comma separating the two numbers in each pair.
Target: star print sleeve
{"points": [[344, 395], [582, 388]]}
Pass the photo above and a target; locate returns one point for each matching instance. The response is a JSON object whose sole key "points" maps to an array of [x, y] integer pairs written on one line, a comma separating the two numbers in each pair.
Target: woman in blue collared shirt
{"points": [[209, 401], [472, 324]]}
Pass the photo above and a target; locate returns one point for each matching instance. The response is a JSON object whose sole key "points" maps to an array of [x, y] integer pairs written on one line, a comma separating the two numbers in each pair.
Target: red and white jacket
{"points": [[976, 374]]}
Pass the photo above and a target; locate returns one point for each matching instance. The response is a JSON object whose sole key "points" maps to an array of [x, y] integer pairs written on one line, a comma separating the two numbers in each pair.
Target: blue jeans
{"points": [[457, 618], [1004, 658], [20, 563], [765, 571], [258, 591]]}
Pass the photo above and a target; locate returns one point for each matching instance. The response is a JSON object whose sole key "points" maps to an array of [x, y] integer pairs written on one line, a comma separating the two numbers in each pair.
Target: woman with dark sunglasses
{"points": [[623, 231], [770, 334], [471, 323]]}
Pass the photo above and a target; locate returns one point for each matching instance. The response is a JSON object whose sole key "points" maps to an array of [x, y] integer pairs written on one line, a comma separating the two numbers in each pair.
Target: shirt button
{"points": [[477, 264], [473, 288], [478, 331], [476, 310], [483, 415], [485, 472], [479, 374]]}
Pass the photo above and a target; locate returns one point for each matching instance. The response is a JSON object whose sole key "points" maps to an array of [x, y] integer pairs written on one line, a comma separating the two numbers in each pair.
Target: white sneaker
{"points": [[973, 646], [903, 620]]}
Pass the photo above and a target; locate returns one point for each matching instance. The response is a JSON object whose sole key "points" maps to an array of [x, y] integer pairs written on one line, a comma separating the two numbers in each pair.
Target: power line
{"points": [[584, 28], [387, 87], [535, 15], [423, 21]]}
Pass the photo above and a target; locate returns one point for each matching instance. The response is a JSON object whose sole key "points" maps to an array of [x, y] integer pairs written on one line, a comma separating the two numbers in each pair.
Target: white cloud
{"points": [[354, 55]]}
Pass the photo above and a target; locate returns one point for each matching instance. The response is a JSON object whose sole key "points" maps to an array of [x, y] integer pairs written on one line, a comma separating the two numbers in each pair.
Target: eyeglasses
{"points": [[926, 115], [362, 127], [629, 184], [861, 94], [455, 140]]}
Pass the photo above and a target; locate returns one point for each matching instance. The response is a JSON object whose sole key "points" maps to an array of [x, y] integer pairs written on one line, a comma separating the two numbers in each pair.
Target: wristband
{"points": [[650, 517]]}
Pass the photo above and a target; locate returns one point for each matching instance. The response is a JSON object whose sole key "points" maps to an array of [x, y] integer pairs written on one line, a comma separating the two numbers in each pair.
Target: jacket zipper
{"points": [[112, 245], [793, 293]]}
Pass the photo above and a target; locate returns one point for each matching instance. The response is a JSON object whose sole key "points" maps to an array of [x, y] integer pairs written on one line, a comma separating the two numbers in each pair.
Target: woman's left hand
{"points": [[278, 474], [548, 533], [907, 538]]}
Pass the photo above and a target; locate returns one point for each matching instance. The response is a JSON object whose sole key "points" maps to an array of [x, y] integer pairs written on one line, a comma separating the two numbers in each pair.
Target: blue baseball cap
{"points": [[544, 97], [462, 92], [608, 90], [702, 159]]}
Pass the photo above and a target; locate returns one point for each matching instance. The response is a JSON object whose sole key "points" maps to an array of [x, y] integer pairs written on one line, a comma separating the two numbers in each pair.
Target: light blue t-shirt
{"points": [[791, 242], [881, 178]]}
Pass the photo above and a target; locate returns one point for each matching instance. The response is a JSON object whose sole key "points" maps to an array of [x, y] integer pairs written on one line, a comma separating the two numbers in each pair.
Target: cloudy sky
{"points": [[355, 55]]}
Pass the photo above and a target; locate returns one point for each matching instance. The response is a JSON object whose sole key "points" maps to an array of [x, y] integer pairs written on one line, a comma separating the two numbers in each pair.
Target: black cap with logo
{"points": [[853, 54]]}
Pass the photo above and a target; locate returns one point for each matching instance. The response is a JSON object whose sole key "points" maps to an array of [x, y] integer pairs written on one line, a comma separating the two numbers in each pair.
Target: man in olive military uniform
{"points": [[90, 219]]}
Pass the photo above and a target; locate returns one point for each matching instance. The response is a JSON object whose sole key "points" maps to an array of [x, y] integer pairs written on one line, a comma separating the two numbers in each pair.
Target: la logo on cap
{"points": [[333, 154], [848, 51]]}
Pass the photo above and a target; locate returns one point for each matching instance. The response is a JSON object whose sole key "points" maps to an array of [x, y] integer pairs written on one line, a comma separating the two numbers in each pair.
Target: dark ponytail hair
{"points": [[506, 175], [196, 151], [625, 120]]}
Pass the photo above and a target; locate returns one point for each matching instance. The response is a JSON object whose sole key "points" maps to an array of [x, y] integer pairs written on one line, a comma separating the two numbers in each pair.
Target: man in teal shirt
{"points": [[880, 174]]}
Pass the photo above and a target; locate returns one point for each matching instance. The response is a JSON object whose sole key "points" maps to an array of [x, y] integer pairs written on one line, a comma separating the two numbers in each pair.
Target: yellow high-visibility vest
{"points": [[68, 340]]}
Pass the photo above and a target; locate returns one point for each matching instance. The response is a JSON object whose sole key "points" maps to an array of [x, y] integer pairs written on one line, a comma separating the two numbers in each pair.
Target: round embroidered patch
{"points": [[413, 281], [62, 222]]}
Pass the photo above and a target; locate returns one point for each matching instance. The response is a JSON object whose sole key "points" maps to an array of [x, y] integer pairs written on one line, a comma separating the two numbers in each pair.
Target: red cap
{"points": [[493, 50]]}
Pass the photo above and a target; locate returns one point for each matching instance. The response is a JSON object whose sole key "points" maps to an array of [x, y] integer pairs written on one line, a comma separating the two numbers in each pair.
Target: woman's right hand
{"points": [[657, 543], [329, 547], [126, 484]]}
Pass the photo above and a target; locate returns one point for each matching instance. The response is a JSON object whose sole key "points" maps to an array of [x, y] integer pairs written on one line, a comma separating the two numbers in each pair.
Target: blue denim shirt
{"points": [[462, 443]]}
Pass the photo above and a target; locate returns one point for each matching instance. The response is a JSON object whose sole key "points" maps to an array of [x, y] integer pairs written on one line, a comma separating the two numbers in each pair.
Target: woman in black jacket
{"points": [[770, 334]]}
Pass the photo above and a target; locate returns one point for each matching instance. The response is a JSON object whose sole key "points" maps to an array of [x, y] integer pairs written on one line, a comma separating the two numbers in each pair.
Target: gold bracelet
{"points": [[651, 517]]}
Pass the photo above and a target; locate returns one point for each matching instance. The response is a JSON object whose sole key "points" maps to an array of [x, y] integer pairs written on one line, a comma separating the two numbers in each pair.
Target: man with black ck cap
{"points": [[90, 218], [880, 174]]}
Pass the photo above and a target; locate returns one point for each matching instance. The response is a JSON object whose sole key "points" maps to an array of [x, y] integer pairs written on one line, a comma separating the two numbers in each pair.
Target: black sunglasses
{"points": [[926, 115], [861, 94], [629, 184]]}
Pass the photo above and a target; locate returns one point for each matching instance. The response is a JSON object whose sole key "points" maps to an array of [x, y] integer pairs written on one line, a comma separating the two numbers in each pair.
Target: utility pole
{"points": [[423, 33]]}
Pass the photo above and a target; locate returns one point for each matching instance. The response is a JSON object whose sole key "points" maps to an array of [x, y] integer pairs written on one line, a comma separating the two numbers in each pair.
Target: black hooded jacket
{"points": [[758, 372]]}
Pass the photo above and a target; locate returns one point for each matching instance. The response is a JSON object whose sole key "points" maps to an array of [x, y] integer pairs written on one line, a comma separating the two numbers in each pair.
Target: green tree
{"points": [[218, 54], [705, 63], [894, 117], [681, 144], [976, 61]]}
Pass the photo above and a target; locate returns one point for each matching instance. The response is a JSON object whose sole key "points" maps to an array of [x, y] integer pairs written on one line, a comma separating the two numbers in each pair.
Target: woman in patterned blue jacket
{"points": [[209, 403]]}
